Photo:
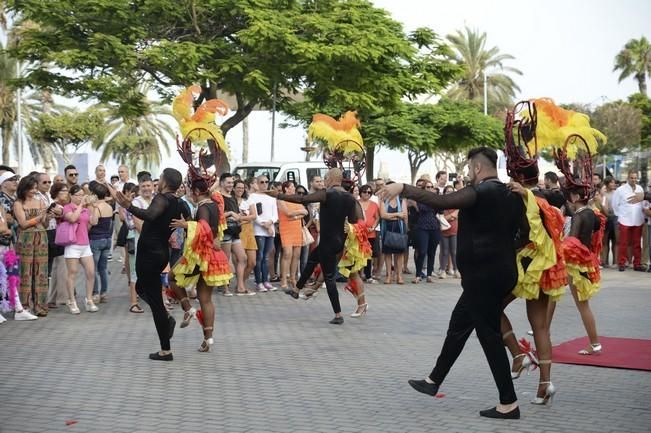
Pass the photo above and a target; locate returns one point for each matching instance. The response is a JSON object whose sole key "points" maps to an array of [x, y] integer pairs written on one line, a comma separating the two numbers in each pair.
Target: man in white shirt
{"points": [[630, 219], [263, 229]]}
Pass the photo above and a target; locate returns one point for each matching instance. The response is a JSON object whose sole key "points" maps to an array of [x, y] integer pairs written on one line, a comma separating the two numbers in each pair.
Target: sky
{"points": [[565, 50]]}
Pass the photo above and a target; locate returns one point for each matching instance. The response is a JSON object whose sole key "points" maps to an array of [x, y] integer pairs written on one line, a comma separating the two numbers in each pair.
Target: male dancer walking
{"points": [[489, 218], [336, 204]]}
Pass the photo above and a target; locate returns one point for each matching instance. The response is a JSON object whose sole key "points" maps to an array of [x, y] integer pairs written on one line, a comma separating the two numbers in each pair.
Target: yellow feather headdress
{"points": [[554, 125], [199, 126], [337, 135]]}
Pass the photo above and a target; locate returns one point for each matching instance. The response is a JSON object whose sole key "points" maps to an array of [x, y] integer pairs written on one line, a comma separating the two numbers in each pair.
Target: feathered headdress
{"points": [[340, 141], [554, 125], [199, 126], [188, 155], [521, 159], [577, 170]]}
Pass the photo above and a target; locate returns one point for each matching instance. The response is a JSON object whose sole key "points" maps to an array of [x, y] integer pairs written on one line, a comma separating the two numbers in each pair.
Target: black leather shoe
{"points": [[172, 324], [337, 321], [292, 293], [424, 387], [622, 268], [493, 413], [158, 357]]}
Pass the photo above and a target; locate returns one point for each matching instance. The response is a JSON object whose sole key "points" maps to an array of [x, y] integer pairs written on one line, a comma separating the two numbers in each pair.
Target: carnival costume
{"points": [[540, 263], [9, 280], [201, 260], [342, 148]]}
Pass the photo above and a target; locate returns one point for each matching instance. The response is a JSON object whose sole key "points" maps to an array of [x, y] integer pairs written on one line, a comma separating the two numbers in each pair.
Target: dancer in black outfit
{"points": [[489, 218], [336, 205], [152, 255]]}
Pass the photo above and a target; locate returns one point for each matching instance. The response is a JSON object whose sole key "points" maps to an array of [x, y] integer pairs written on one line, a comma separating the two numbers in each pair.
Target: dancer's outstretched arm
{"points": [[314, 197]]}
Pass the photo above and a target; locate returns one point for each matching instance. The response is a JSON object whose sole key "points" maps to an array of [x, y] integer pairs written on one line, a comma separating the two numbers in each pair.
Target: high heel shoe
{"points": [[527, 364], [207, 343], [595, 349], [358, 313], [187, 317], [549, 395]]}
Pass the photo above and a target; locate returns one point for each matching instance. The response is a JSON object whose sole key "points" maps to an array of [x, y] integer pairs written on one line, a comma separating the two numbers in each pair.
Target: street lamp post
{"points": [[485, 94]]}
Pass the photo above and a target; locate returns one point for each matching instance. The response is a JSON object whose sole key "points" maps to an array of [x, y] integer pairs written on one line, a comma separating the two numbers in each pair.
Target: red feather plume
{"points": [[200, 317]]}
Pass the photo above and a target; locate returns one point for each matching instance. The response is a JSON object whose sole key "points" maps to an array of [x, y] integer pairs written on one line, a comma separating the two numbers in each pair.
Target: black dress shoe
{"points": [[158, 357], [622, 268], [172, 324], [424, 387], [493, 413], [337, 321], [291, 293]]}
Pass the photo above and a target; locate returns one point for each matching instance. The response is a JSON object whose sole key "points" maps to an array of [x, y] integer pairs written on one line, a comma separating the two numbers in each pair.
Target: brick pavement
{"points": [[278, 366]]}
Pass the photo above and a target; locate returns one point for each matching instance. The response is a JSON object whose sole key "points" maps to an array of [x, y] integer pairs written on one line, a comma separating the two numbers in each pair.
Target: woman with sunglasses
{"points": [[33, 217], [290, 216], [427, 235], [372, 218], [305, 249]]}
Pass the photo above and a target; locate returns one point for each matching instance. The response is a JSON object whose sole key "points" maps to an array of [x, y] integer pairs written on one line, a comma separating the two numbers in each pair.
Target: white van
{"points": [[300, 172]]}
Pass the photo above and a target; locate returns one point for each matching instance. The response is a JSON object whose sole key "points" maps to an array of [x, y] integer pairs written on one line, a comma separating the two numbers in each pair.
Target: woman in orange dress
{"points": [[290, 216]]}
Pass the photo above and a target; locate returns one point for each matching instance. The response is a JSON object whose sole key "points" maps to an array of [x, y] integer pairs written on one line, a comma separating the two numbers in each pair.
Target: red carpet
{"points": [[625, 353]]}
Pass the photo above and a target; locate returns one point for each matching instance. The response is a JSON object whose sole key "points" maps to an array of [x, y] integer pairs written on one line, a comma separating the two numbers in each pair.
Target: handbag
{"points": [[398, 241], [307, 237], [66, 234], [131, 245], [445, 224], [233, 227]]}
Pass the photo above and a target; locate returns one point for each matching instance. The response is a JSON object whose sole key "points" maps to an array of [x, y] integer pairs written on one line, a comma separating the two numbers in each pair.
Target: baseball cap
{"points": [[6, 176]]}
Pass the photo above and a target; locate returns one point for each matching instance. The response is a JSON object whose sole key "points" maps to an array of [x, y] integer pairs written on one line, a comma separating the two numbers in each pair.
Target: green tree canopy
{"points": [[347, 54], [66, 132], [449, 128]]}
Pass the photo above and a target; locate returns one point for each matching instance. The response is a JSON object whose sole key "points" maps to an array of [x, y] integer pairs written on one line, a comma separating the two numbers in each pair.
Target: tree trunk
{"points": [[245, 139], [641, 82], [6, 139], [370, 160]]}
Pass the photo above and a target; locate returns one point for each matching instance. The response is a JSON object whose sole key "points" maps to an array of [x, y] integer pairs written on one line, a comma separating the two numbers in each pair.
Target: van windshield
{"points": [[251, 172]]}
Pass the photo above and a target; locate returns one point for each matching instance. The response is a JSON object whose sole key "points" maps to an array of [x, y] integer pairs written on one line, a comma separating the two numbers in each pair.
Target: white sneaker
{"points": [[91, 307], [371, 281], [24, 315], [262, 288], [2, 319], [269, 287], [457, 274], [440, 275]]}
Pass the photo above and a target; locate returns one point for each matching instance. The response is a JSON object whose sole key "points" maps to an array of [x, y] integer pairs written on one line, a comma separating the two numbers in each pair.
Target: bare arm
{"points": [[314, 197]]}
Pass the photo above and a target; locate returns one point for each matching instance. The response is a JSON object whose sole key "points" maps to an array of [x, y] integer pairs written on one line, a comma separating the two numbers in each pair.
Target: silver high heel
{"points": [[548, 397], [527, 364], [187, 317], [357, 313], [207, 343], [595, 349]]}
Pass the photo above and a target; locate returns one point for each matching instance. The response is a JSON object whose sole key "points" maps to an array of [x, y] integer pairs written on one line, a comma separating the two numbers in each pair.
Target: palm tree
{"points": [[471, 53], [136, 140], [635, 60], [7, 102]]}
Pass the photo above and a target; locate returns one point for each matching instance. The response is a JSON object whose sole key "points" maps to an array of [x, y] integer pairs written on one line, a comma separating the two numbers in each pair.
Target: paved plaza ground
{"points": [[278, 366]]}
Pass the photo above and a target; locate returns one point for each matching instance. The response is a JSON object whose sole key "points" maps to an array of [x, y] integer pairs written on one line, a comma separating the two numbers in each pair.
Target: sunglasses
{"points": [[73, 174], [263, 181], [366, 191], [429, 187], [46, 182]]}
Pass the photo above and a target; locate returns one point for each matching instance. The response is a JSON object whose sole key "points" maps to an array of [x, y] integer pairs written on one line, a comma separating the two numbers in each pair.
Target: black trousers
{"points": [[328, 262], [479, 308], [150, 263]]}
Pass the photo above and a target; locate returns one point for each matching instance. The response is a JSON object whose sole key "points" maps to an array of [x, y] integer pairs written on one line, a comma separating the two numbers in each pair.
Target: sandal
{"points": [[135, 308]]}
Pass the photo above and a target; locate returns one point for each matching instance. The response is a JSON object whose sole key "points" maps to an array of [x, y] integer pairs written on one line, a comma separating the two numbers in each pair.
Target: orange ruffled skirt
{"points": [[201, 259]]}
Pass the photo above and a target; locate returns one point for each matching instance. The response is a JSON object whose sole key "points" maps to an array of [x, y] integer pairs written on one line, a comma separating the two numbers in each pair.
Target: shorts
{"points": [[227, 239], [77, 251]]}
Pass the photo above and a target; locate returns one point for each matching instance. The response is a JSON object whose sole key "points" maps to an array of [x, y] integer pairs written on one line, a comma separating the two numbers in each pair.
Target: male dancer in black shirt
{"points": [[336, 205], [153, 252], [489, 218]]}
